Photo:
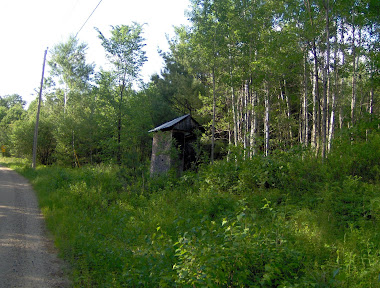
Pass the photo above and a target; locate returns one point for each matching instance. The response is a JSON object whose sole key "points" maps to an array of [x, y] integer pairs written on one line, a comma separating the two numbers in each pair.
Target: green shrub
{"points": [[287, 220]]}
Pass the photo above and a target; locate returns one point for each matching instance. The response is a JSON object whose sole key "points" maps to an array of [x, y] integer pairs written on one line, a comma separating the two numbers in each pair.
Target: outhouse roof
{"points": [[176, 124]]}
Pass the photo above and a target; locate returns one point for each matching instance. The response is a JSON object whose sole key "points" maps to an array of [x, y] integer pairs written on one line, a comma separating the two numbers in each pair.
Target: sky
{"points": [[28, 27]]}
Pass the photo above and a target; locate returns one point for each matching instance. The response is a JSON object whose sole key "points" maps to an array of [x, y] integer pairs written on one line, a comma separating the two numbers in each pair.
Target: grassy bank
{"points": [[282, 221]]}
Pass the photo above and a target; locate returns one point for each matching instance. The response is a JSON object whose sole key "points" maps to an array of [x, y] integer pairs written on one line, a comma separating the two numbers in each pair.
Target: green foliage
{"points": [[282, 221], [21, 140], [125, 51], [10, 101], [11, 111], [289, 219], [176, 88], [68, 66], [362, 144]]}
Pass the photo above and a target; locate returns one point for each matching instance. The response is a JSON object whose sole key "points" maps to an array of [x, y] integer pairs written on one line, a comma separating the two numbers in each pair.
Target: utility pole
{"points": [[38, 114]]}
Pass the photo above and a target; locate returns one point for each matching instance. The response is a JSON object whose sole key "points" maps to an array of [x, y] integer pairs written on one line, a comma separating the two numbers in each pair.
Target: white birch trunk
{"points": [[371, 93], [213, 116], [342, 83], [353, 95], [234, 116], [316, 114], [266, 121], [288, 114], [305, 107], [300, 122], [325, 82], [315, 127], [253, 124], [333, 97], [246, 120]]}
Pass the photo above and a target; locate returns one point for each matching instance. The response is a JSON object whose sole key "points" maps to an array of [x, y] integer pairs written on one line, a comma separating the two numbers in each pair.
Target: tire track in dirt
{"points": [[27, 256]]}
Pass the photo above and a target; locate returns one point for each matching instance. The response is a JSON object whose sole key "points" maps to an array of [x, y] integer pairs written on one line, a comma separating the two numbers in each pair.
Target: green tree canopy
{"points": [[124, 50]]}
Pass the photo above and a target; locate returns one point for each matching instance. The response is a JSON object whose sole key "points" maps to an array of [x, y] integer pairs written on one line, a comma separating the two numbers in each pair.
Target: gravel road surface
{"points": [[27, 256]]}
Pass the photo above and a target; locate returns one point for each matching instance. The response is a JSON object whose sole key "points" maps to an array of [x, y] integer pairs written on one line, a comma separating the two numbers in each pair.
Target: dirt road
{"points": [[27, 256]]}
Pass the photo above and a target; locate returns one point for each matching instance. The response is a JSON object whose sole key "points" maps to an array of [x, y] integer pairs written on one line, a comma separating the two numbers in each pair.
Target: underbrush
{"points": [[281, 221]]}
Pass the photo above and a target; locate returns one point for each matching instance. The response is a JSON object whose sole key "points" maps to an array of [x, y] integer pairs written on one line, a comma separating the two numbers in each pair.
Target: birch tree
{"points": [[67, 97], [281, 72], [69, 70], [326, 73]]}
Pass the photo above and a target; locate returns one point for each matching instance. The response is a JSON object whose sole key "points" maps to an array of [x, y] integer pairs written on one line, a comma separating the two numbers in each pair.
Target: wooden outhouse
{"points": [[172, 145]]}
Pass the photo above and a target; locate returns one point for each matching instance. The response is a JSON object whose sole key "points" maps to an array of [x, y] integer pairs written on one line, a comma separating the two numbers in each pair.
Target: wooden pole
{"points": [[38, 114]]}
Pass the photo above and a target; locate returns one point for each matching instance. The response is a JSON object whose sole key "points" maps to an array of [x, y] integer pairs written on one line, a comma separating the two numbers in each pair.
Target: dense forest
{"points": [[259, 75], [286, 191]]}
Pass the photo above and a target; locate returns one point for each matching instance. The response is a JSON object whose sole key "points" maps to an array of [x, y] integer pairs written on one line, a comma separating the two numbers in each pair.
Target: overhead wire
{"points": [[88, 19]]}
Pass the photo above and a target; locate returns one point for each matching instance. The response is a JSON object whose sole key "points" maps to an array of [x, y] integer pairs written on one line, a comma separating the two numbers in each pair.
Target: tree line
{"points": [[259, 75], [281, 73]]}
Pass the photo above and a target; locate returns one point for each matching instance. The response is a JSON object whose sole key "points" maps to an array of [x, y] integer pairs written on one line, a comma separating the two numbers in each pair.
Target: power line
{"points": [[88, 18]]}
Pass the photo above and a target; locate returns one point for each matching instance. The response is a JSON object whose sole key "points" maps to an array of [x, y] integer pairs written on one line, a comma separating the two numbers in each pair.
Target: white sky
{"points": [[28, 27]]}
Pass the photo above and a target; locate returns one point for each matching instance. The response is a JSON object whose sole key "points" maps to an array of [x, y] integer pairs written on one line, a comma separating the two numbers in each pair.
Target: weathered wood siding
{"points": [[171, 147], [161, 149]]}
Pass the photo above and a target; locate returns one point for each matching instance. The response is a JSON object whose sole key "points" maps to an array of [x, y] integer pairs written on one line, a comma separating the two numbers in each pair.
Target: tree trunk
{"points": [[239, 119], [229, 142], [315, 128], [266, 120], [358, 88], [300, 121], [325, 82], [371, 92], [253, 124], [288, 114], [233, 101], [316, 103], [353, 95], [370, 108], [234, 116], [119, 123], [305, 107], [65, 101], [342, 83], [213, 115], [246, 119], [334, 95]]}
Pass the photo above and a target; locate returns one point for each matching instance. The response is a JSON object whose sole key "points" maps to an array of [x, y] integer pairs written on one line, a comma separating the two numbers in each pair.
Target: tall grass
{"points": [[282, 221]]}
